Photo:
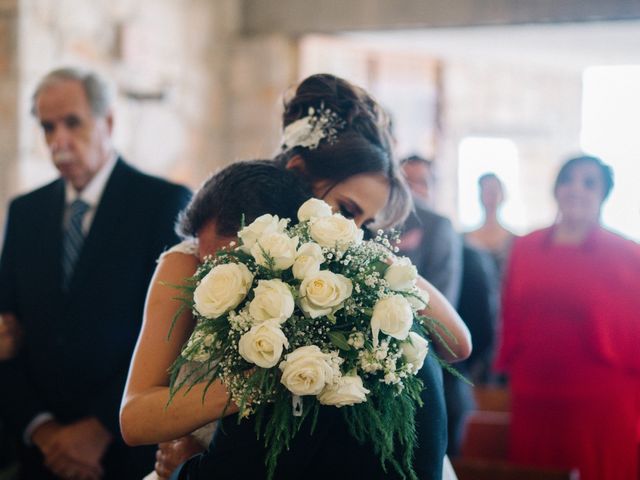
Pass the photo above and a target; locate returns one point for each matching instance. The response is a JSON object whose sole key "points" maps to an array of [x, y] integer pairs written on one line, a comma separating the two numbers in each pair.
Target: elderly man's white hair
{"points": [[95, 87]]}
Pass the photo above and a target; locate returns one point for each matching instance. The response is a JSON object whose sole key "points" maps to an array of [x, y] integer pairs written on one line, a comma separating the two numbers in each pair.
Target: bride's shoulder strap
{"points": [[186, 247]]}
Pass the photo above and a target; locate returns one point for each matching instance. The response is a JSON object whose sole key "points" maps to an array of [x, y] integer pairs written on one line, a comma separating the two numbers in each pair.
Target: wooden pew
{"points": [[485, 444], [472, 469], [493, 399], [486, 436]]}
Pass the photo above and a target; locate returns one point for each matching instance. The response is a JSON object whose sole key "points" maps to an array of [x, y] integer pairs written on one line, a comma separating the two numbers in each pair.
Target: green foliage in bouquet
{"points": [[295, 317]]}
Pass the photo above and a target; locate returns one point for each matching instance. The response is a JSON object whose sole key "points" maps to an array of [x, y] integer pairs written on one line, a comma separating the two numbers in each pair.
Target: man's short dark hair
{"points": [[243, 190], [489, 176]]}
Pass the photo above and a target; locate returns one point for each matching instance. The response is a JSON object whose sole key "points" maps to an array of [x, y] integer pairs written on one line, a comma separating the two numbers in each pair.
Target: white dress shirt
{"points": [[91, 194]]}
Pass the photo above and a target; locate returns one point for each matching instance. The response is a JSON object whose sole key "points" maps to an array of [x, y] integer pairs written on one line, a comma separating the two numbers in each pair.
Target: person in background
{"points": [[491, 235], [435, 248], [478, 306], [428, 238], [77, 258], [570, 335]]}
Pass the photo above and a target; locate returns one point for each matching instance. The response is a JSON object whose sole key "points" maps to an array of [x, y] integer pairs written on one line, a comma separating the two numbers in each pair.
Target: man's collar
{"points": [[92, 193]]}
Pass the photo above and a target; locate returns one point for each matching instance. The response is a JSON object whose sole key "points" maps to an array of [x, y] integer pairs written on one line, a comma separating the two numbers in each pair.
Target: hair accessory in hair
{"points": [[308, 131]]}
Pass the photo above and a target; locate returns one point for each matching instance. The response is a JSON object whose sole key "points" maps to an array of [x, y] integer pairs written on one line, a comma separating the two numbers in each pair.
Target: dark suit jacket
{"points": [[330, 452], [478, 305], [78, 344], [435, 249]]}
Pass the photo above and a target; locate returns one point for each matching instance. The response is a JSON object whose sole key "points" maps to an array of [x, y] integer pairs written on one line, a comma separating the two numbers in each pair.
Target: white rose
{"points": [[419, 299], [401, 275], [307, 370], [222, 289], [273, 301], [415, 350], [392, 315], [324, 293], [263, 344], [348, 390], [313, 208], [262, 225], [308, 260], [335, 231], [279, 246]]}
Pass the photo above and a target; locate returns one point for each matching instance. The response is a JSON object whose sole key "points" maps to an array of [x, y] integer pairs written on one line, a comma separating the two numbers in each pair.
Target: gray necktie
{"points": [[73, 239]]}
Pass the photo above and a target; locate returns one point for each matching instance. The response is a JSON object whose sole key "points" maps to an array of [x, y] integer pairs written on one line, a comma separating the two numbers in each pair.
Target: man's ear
{"points": [[297, 163]]}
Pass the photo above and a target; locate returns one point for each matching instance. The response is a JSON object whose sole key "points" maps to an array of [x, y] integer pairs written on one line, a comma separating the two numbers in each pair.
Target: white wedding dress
{"points": [[203, 434]]}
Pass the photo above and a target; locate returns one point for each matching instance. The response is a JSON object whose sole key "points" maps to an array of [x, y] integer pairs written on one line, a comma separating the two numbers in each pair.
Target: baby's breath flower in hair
{"points": [[320, 124]]}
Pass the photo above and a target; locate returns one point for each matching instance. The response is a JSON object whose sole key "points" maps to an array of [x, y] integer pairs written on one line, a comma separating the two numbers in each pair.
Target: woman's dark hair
{"points": [[248, 189], [363, 145], [417, 159], [489, 176], [605, 172]]}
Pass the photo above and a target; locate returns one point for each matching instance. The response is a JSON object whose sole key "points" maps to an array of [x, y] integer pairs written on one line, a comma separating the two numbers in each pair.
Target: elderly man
{"points": [[77, 258]]}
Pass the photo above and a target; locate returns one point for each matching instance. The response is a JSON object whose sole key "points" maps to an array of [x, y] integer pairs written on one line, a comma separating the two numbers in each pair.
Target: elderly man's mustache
{"points": [[62, 157]]}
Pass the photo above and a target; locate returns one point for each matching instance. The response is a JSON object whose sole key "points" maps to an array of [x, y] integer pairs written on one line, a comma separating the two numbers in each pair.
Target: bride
{"points": [[353, 170]]}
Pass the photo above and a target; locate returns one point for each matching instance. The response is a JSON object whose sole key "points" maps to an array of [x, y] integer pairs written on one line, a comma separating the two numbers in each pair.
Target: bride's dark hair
{"points": [[363, 145]]}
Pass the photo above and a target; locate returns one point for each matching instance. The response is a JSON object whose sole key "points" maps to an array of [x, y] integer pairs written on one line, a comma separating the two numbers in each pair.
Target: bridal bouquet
{"points": [[298, 316]]}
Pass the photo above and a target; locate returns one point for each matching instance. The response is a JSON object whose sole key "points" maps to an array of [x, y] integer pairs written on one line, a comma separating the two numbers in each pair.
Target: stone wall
{"points": [[304, 16], [8, 102], [261, 69], [192, 94], [166, 61]]}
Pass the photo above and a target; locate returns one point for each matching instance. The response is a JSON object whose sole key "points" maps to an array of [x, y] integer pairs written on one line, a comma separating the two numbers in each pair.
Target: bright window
{"points": [[610, 130]]}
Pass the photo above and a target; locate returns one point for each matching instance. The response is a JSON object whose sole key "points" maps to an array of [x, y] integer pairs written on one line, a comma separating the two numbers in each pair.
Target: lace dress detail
{"points": [[187, 247]]}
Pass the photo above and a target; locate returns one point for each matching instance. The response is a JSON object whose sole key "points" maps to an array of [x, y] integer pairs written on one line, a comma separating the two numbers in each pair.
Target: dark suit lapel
{"points": [[109, 215]]}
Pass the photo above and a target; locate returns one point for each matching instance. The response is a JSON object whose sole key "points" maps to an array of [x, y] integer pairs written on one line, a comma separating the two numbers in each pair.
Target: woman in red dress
{"points": [[571, 336]]}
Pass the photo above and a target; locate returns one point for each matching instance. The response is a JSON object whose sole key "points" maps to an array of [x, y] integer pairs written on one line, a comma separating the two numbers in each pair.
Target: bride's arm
{"points": [[440, 309], [145, 417]]}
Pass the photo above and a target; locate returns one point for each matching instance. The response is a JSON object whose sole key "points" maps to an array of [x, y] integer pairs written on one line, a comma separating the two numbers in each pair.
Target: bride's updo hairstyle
{"points": [[355, 139]]}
